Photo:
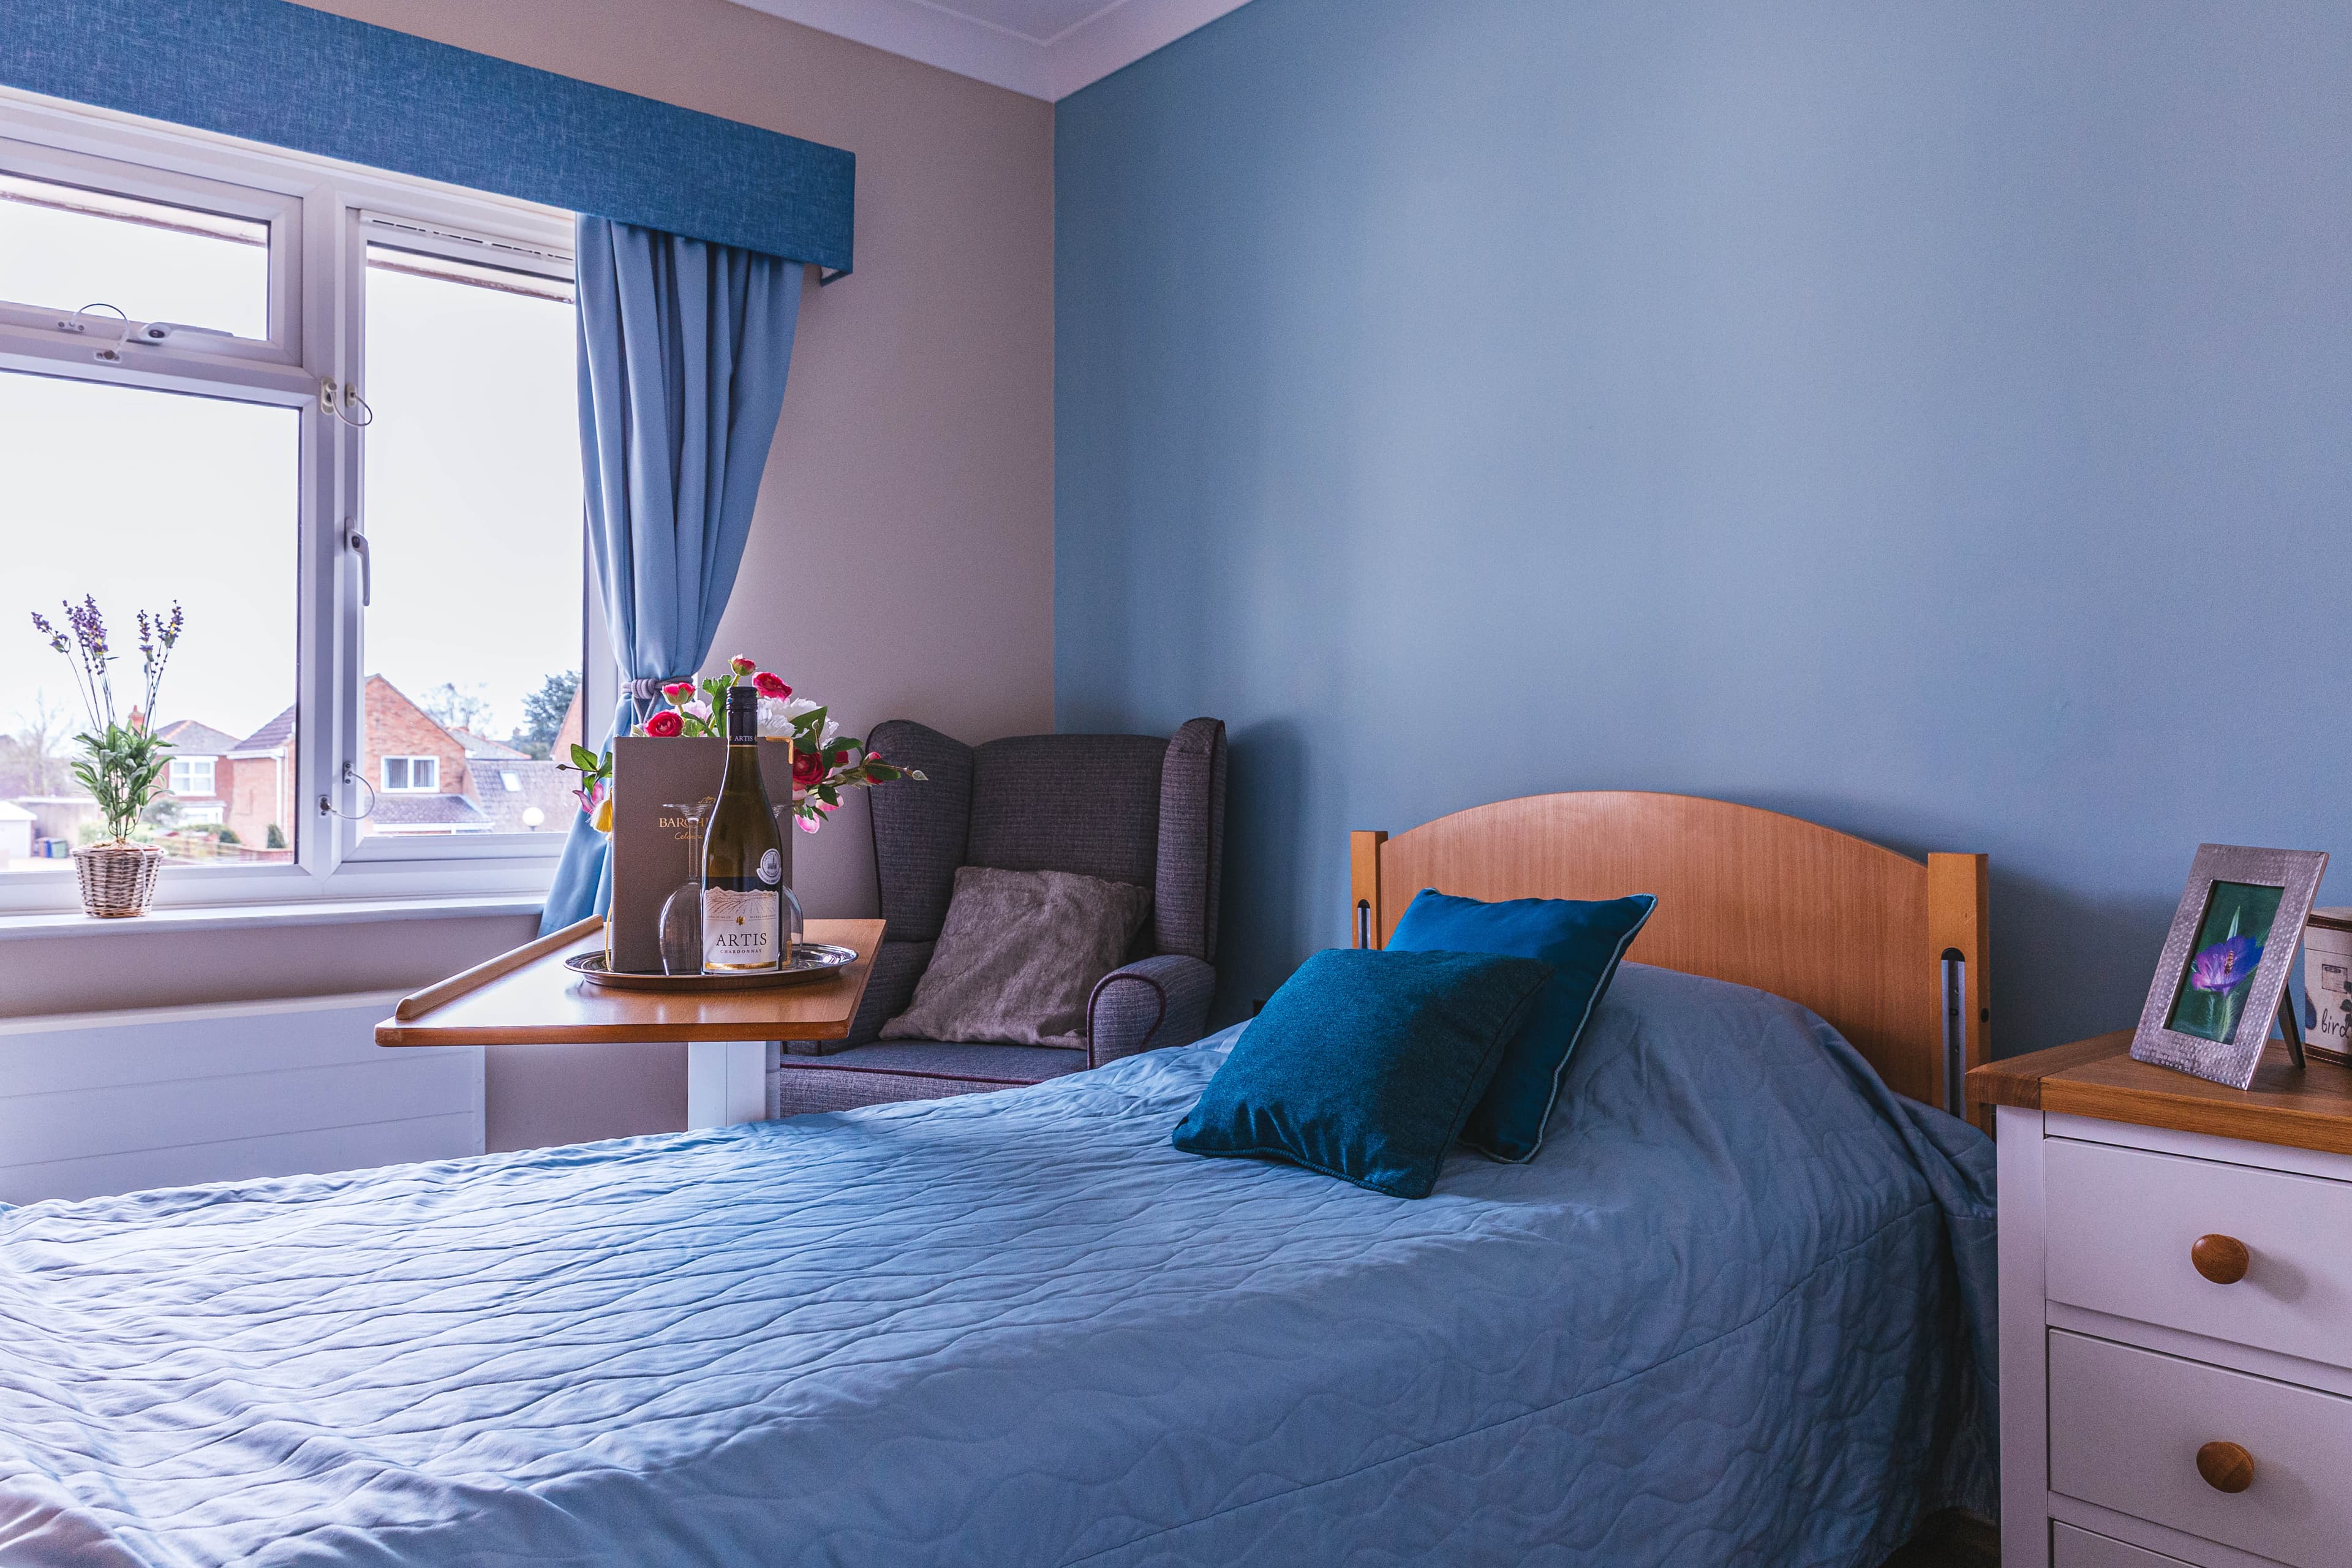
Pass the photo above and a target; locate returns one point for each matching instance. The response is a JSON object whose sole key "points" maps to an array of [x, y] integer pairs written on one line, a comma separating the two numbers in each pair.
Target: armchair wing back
{"points": [[1126, 808]]}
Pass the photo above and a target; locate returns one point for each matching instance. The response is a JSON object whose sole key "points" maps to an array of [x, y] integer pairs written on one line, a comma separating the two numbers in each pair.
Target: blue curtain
{"points": [[683, 350]]}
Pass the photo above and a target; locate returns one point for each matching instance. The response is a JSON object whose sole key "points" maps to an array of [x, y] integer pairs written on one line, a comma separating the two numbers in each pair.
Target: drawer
{"points": [[2126, 1426], [2122, 1221], [2073, 1548]]}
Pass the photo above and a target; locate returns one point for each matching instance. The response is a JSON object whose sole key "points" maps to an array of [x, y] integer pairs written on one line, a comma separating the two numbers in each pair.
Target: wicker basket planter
{"points": [[117, 880]]}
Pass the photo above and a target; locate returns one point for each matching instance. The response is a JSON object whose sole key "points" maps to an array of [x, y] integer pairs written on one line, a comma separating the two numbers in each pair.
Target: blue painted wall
{"points": [[1931, 419]]}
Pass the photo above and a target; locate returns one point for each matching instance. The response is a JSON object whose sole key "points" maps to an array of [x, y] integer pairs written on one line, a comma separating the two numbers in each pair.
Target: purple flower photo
{"points": [[2230, 943], [2225, 965]]}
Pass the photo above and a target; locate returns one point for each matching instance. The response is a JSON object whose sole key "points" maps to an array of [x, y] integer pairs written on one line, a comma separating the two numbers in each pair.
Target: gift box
{"points": [[661, 787]]}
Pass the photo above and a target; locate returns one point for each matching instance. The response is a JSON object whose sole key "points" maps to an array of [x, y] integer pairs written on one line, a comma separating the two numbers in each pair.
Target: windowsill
{"points": [[260, 917]]}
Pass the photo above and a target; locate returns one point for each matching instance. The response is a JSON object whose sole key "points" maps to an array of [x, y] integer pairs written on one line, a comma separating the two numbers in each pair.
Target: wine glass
{"points": [[681, 912], [795, 928]]}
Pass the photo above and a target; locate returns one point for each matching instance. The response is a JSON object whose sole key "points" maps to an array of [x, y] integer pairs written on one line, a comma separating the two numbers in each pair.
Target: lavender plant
{"points": [[121, 756]]}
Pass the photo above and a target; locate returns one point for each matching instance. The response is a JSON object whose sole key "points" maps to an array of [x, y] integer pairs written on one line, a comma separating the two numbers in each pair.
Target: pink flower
{"points": [[678, 691], [665, 723], [771, 685], [740, 665], [699, 709], [804, 824]]}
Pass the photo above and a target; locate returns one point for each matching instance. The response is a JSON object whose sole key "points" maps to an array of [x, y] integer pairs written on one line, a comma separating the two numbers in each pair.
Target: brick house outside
{"points": [[199, 780], [428, 779]]}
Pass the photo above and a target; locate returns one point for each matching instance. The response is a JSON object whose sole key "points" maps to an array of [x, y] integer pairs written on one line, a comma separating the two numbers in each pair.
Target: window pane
{"points": [[140, 497], [62, 248], [473, 643]]}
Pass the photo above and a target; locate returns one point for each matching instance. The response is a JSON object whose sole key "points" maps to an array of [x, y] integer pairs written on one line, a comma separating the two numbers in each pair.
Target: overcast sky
{"points": [[473, 494]]}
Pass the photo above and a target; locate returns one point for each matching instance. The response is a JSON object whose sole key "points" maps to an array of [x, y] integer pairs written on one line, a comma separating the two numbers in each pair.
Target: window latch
{"points": [[345, 403], [351, 775], [357, 543]]}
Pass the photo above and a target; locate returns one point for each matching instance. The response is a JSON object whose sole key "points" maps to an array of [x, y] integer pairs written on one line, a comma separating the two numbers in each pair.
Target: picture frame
{"points": [[2233, 942]]}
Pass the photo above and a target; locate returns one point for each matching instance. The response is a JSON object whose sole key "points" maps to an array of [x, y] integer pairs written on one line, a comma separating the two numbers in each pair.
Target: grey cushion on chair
{"points": [[1019, 956], [1124, 808]]}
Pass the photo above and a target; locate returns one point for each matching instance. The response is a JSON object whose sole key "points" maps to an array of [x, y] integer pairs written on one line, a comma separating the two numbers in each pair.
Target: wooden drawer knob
{"points": [[2225, 1466], [2220, 1258]]}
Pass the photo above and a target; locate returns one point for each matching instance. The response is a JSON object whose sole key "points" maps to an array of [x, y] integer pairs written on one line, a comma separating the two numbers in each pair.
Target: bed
{"points": [[1737, 1310]]}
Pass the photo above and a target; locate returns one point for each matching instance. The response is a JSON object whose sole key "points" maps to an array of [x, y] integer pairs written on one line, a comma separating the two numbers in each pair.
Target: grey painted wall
{"points": [[1931, 419]]}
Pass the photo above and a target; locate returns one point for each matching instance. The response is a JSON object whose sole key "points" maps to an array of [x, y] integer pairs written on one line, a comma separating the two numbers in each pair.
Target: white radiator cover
{"points": [[99, 1103]]}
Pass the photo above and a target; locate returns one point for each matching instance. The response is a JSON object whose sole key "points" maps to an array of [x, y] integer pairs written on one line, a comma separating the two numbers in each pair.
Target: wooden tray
{"points": [[810, 961]]}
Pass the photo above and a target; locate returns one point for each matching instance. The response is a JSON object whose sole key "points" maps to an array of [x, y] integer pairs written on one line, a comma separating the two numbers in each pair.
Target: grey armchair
{"points": [[1127, 809]]}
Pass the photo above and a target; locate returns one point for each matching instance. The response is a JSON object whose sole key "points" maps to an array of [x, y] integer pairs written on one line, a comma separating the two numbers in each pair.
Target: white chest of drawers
{"points": [[2176, 1313]]}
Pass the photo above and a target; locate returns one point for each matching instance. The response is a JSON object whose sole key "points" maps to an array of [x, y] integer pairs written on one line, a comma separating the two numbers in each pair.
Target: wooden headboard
{"points": [[1858, 933]]}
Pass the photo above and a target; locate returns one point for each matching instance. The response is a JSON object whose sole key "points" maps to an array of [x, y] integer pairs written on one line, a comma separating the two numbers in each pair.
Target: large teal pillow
{"points": [[1581, 941], [1364, 1065]]}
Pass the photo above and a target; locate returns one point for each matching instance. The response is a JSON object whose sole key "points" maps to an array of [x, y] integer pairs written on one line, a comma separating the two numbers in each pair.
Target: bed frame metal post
{"points": [[1364, 927], [1959, 944]]}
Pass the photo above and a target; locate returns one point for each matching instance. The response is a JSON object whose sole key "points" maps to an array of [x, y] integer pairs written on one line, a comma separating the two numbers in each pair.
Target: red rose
{"points": [[808, 770], [664, 724], [771, 685], [740, 665]]}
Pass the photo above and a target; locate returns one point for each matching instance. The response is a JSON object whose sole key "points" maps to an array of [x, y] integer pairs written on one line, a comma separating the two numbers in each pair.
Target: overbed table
{"points": [[527, 997]]}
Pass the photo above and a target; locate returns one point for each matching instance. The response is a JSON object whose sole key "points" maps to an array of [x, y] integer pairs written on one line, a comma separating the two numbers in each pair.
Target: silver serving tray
{"points": [[810, 961]]}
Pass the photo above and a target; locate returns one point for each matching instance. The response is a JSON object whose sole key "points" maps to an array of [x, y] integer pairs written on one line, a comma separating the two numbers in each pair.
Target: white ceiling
{"points": [[1046, 49]]}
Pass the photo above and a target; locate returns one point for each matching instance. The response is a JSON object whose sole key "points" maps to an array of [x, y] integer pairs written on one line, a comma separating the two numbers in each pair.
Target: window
{"points": [[191, 775], [412, 773], [472, 483], [332, 413], [73, 246]]}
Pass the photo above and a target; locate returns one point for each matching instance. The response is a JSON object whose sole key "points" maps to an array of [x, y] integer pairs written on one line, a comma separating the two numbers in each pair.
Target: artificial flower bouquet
{"points": [[824, 761]]}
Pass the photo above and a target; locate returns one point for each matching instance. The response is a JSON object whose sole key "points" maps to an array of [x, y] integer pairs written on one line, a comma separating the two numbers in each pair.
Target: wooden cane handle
{"points": [[2225, 1466], [2223, 1259]]}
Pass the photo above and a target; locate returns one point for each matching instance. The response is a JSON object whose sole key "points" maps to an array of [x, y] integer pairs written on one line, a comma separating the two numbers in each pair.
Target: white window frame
{"points": [[181, 765], [319, 211], [432, 766]]}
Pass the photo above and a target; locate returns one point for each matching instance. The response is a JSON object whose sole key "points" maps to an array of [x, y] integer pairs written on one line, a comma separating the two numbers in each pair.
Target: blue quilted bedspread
{"points": [[1735, 1312]]}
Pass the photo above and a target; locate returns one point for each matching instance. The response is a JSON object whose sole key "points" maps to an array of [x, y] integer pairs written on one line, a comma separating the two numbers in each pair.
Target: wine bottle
{"points": [[743, 856]]}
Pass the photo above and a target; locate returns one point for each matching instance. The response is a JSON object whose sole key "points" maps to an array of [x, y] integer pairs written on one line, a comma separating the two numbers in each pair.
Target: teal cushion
{"points": [[1581, 941], [1364, 1065]]}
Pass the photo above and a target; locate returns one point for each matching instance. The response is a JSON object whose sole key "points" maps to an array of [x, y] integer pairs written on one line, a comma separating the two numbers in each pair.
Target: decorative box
{"points": [[2327, 984], [659, 789]]}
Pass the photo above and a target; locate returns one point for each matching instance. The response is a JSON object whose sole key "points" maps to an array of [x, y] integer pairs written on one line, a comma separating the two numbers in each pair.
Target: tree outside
{"points": [[542, 714]]}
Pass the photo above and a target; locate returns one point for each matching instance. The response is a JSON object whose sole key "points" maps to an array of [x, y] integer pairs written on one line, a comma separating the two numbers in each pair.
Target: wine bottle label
{"points": [[741, 931], [772, 867]]}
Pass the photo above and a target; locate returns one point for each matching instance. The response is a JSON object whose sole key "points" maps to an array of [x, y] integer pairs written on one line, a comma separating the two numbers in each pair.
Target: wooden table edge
{"points": [[398, 1034], [395, 1032], [2068, 1080], [2017, 1081]]}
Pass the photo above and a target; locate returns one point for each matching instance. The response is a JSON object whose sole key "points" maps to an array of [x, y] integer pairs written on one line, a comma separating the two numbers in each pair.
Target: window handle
{"points": [[357, 543]]}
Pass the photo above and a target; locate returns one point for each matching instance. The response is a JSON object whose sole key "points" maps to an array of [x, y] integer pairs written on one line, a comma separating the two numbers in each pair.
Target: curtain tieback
{"points": [[644, 694]]}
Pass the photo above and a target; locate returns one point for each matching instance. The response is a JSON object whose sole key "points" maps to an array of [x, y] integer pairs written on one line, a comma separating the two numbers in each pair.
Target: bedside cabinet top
{"points": [[2305, 1107]]}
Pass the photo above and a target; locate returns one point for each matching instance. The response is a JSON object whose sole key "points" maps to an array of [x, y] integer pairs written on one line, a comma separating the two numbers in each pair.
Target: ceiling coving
{"points": [[1046, 49]]}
